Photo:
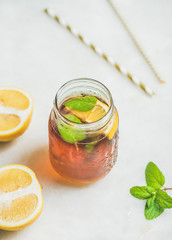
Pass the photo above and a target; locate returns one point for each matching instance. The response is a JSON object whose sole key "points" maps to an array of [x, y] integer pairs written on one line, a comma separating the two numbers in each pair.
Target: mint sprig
{"points": [[82, 104], [157, 199]]}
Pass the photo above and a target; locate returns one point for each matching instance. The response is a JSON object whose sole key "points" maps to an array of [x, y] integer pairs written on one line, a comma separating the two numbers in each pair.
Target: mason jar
{"points": [[83, 152]]}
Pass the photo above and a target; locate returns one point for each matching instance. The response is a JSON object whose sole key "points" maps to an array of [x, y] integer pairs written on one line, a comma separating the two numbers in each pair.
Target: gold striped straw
{"points": [[112, 4], [99, 52]]}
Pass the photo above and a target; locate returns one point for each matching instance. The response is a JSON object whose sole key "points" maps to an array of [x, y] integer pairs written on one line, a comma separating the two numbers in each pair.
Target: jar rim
{"points": [[93, 126]]}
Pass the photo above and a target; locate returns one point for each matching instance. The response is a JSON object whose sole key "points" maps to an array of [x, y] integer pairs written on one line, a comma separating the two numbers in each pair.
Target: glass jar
{"points": [[94, 153]]}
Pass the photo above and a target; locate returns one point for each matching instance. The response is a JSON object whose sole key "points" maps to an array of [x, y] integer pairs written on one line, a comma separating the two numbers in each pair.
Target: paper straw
{"points": [[135, 41], [98, 51]]}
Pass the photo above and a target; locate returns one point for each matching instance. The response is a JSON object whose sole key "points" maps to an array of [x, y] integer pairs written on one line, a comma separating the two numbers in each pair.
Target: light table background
{"points": [[39, 55]]}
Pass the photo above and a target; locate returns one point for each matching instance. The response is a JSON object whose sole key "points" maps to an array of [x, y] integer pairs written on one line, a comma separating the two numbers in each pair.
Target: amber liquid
{"points": [[74, 163]]}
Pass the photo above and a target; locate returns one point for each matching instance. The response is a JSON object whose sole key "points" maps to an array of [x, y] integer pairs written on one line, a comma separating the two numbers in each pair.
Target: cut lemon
{"points": [[20, 197], [16, 107], [99, 110]]}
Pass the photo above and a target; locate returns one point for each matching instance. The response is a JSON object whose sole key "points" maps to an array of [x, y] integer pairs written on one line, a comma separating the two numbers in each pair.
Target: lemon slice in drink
{"points": [[99, 110], [16, 107], [20, 197], [112, 126]]}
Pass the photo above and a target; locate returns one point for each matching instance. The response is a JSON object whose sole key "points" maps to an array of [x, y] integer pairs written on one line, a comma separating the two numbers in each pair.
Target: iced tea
{"points": [[83, 134]]}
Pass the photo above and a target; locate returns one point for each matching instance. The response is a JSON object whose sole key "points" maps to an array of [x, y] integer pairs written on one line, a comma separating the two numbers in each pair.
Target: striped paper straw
{"points": [[99, 52], [135, 41]]}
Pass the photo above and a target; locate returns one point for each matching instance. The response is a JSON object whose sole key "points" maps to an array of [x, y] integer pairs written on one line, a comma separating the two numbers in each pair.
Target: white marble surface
{"points": [[38, 55]]}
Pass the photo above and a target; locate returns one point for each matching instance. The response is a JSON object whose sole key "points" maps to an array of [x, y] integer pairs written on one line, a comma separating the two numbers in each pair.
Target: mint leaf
{"points": [[152, 209], [154, 176], [163, 199], [82, 104], [150, 201], [72, 118], [142, 192], [68, 133], [89, 147]]}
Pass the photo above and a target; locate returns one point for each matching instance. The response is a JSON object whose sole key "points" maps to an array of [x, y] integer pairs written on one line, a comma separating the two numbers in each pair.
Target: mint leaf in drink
{"points": [[89, 147], [152, 209], [163, 199], [72, 118], [82, 104], [142, 192], [154, 176], [68, 133]]}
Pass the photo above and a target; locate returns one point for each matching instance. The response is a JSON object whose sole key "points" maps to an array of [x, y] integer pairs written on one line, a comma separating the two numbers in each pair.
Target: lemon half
{"points": [[20, 197], [16, 107]]}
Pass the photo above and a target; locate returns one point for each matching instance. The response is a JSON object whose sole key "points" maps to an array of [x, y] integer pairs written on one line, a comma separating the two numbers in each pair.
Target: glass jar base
{"points": [[74, 181]]}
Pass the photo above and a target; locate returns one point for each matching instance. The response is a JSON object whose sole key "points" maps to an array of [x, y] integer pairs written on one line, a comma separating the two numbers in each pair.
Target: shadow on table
{"points": [[7, 234], [5, 145], [38, 161]]}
